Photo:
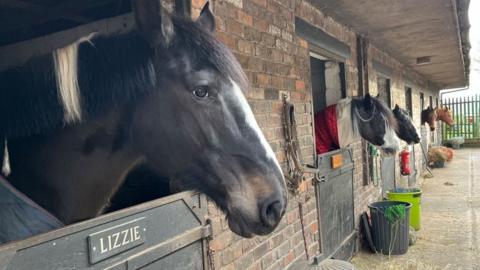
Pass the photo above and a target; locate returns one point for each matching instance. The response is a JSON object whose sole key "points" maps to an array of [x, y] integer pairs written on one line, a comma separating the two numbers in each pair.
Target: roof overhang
{"points": [[429, 36]]}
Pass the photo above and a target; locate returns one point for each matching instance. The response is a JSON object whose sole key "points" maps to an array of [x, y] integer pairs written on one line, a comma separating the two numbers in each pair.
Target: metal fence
{"points": [[466, 113]]}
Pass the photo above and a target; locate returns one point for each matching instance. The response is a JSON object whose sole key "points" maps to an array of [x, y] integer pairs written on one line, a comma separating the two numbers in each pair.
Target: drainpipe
{"points": [[459, 37]]}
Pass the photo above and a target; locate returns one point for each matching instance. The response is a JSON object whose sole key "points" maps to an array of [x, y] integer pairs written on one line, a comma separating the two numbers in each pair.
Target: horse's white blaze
{"points": [[66, 72], [252, 123]]}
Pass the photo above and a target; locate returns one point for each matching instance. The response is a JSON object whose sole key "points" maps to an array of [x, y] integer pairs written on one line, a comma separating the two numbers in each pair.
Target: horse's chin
{"points": [[238, 227], [243, 228]]}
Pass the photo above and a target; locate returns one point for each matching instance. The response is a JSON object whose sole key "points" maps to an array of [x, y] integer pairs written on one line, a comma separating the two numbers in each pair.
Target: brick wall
{"points": [[261, 33]]}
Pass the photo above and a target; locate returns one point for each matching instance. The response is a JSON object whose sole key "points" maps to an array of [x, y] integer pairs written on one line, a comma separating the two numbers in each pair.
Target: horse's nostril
{"points": [[272, 213]]}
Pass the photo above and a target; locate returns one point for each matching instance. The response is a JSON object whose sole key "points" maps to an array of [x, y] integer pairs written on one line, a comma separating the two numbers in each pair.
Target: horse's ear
{"points": [[153, 21], [367, 101], [206, 18]]}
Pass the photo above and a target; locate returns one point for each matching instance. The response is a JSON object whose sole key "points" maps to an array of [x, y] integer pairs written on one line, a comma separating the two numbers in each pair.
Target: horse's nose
{"points": [[272, 211]]}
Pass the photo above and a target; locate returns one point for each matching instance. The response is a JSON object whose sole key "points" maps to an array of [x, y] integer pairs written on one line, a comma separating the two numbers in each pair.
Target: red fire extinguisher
{"points": [[405, 162]]}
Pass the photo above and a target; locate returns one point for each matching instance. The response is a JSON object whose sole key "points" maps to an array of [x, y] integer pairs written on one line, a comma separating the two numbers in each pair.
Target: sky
{"points": [[473, 15], [474, 87]]}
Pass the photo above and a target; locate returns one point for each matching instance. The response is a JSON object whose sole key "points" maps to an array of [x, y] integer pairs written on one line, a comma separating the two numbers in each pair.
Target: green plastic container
{"points": [[410, 195]]}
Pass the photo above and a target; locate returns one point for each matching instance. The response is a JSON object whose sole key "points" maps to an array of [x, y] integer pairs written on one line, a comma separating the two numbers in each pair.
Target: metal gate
{"points": [[466, 113], [168, 233], [334, 192], [388, 174]]}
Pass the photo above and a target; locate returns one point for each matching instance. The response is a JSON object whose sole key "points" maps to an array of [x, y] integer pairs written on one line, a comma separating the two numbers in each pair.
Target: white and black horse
{"points": [[168, 96], [341, 124]]}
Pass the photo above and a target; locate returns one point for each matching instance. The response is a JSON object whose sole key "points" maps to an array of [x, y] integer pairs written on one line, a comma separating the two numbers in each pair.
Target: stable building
{"points": [[308, 53]]}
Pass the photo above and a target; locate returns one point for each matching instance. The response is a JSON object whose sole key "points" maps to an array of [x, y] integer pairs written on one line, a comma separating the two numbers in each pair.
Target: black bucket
{"points": [[389, 239]]}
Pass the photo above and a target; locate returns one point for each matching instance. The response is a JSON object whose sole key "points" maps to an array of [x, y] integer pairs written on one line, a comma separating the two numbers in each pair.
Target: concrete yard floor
{"points": [[450, 235]]}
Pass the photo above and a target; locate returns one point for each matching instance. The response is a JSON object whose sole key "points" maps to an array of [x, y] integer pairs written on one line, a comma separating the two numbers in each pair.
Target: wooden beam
{"points": [[63, 10], [43, 11], [16, 54]]}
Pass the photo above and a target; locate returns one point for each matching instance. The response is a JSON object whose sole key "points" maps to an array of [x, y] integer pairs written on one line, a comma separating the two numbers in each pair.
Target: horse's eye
{"points": [[201, 92]]}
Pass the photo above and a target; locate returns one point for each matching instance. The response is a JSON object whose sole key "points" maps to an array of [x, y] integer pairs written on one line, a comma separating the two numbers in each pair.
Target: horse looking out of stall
{"points": [[406, 129], [167, 96], [431, 115], [341, 124]]}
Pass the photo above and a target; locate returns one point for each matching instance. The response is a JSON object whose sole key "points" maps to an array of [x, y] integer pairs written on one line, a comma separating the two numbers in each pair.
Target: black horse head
{"points": [[168, 96], [208, 138], [375, 122], [406, 129]]}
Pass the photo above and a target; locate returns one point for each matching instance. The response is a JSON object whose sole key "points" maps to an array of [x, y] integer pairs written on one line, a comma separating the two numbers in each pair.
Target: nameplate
{"points": [[337, 161], [117, 239]]}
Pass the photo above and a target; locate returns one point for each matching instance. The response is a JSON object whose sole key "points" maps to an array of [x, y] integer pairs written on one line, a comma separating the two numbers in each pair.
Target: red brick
{"points": [[256, 64], [289, 258], [303, 43], [268, 40], [280, 156], [234, 27], [260, 51], [198, 3], [276, 56], [242, 59], [262, 3], [229, 267], [256, 266], [220, 24], [229, 40], [299, 85], [273, 7], [260, 24], [291, 217], [245, 18], [263, 79], [245, 47], [278, 82], [221, 241], [314, 228], [303, 186]]}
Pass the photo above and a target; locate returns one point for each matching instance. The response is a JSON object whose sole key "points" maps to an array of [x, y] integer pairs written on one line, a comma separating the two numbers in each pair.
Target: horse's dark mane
{"points": [[404, 114], [205, 48], [112, 70], [381, 108]]}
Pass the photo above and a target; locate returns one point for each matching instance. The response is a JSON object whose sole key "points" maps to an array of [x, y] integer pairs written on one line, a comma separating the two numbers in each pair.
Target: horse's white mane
{"points": [[346, 130], [66, 72]]}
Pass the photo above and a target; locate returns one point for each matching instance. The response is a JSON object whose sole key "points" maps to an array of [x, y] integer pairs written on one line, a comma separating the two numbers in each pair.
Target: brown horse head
{"points": [[444, 114], [429, 116]]}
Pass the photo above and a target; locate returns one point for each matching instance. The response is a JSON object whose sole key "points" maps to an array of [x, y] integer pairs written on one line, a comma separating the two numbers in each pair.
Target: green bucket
{"points": [[411, 195]]}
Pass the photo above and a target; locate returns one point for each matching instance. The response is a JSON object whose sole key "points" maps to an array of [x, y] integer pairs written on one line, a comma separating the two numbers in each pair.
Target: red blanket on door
{"points": [[326, 133]]}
